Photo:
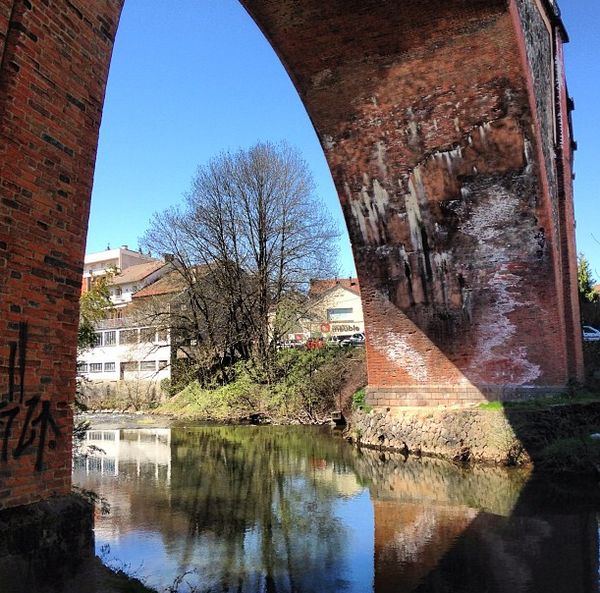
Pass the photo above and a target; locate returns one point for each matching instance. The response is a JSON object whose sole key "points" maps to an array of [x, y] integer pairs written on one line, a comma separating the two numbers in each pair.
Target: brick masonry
{"points": [[429, 118], [440, 124], [54, 60]]}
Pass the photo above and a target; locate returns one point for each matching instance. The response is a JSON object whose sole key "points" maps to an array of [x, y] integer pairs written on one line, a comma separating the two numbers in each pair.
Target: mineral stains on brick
{"points": [[429, 127]]}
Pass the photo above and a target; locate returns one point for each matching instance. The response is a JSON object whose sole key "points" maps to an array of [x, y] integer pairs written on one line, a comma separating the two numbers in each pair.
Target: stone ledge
{"points": [[509, 437], [434, 395]]}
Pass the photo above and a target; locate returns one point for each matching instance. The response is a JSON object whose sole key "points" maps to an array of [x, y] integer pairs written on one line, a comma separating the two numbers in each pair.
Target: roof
{"points": [[170, 283], [110, 254], [318, 287], [137, 272]]}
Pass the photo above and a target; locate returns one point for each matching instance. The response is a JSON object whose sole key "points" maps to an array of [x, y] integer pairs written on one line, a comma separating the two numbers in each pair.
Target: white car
{"points": [[591, 334], [354, 340]]}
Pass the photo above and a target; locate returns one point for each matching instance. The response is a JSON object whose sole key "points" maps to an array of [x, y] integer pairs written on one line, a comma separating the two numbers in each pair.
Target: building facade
{"points": [[115, 260], [129, 347], [333, 311]]}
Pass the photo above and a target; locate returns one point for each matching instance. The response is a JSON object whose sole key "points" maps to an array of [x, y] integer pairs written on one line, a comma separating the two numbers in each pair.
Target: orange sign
{"points": [[325, 327]]}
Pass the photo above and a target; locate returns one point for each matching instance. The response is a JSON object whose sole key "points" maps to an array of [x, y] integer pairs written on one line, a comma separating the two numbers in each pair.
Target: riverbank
{"points": [[304, 387], [554, 437]]}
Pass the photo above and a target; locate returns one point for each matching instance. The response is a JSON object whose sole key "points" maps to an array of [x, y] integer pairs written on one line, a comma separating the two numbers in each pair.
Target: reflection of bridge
{"points": [[446, 129], [122, 452], [437, 527]]}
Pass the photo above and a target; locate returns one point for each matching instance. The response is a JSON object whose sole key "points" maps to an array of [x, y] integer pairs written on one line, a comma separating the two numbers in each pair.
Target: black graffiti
{"points": [[38, 429], [37, 432], [17, 348]]}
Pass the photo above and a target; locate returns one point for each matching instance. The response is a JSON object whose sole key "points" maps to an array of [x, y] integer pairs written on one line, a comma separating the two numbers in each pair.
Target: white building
{"points": [[134, 278], [124, 351], [333, 311], [335, 308], [126, 348], [118, 260]]}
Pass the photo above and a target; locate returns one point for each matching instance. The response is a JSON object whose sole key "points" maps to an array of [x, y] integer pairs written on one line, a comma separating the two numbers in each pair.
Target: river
{"points": [[297, 509]]}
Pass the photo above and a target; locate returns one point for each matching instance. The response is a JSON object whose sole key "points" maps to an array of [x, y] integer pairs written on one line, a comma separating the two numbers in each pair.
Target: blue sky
{"points": [[190, 78]]}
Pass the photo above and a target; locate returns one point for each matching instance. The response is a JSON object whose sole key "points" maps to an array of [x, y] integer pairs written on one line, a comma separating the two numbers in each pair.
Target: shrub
{"points": [[577, 455]]}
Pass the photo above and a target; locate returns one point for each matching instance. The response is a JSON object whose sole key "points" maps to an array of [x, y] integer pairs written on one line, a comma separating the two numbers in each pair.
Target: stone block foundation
{"points": [[44, 543], [449, 395]]}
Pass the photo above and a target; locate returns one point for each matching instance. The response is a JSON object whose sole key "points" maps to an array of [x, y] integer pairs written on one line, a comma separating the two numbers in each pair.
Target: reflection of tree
{"points": [[257, 490], [253, 509]]}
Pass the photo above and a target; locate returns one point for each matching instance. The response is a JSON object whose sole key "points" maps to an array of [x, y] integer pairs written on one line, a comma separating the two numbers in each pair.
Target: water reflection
{"points": [[257, 509]]}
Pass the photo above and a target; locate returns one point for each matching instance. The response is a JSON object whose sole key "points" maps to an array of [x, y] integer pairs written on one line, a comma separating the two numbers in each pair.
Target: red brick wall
{"points": [[55, 59], [428, 116]]}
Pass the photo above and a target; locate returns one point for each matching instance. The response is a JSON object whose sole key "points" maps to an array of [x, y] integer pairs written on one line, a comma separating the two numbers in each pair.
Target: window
{"points": [[95, 367], [162, 364], [109, 367], [110, 338], [82, 367], [128, 336], [148, 365], [130, 366], [340, 314], [98, 339], [147, 335], [118, 291]]}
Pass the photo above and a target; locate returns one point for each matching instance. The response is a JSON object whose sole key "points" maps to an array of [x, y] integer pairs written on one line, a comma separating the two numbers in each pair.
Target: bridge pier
{"points": [[445, 125]]}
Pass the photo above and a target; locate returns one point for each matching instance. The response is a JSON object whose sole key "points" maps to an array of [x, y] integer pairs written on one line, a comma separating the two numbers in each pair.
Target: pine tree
{"points": [[585, 280]]}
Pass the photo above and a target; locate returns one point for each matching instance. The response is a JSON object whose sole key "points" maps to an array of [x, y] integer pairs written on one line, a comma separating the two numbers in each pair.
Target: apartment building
{"points": [[127, 348], [116, 260]]}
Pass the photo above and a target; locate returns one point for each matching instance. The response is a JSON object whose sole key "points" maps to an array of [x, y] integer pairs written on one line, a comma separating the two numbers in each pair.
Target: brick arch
{"points": [[448, 145], [450, 153]]}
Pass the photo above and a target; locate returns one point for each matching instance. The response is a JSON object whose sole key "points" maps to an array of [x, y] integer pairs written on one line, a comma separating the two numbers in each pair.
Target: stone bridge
{"points": [[446, 128]]}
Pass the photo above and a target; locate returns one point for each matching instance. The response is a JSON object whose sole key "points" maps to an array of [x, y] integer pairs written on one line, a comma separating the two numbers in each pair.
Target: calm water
{"points": [[262, 509]]}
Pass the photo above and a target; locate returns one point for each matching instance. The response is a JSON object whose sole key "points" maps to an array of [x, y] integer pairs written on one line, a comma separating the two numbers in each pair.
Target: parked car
{"points": [[290, 344], [354, 340], [591, 334]]}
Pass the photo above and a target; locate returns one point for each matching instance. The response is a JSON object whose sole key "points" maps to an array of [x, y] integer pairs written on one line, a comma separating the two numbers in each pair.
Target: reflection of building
{"points": [[335, 308], [127, 452]]}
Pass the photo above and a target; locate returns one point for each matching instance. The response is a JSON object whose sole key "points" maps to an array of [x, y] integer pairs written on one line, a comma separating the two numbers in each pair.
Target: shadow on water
{"points": [[265, 509]]}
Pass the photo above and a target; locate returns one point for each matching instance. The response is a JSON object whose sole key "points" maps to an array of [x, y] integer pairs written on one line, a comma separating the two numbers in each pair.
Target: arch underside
{"points": [[438, 122], [435, 141]]}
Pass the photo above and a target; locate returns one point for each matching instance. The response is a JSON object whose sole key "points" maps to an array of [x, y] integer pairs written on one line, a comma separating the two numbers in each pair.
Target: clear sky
{"points": [[190, 78]]}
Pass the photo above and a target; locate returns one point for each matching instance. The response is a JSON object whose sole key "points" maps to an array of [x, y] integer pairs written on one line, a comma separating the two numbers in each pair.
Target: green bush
{"points": [[300, 386], [577, 455], [359, 401]]}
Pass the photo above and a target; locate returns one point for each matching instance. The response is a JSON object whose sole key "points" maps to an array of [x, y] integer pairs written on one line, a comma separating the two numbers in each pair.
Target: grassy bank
{"points": [[303, 386]]}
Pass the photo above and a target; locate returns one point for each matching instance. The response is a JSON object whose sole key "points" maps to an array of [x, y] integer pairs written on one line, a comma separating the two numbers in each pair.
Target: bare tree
{"points": [[253, 225]]}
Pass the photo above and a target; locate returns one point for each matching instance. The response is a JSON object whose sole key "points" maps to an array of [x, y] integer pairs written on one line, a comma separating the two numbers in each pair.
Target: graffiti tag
{"points": [[38, 429]]}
